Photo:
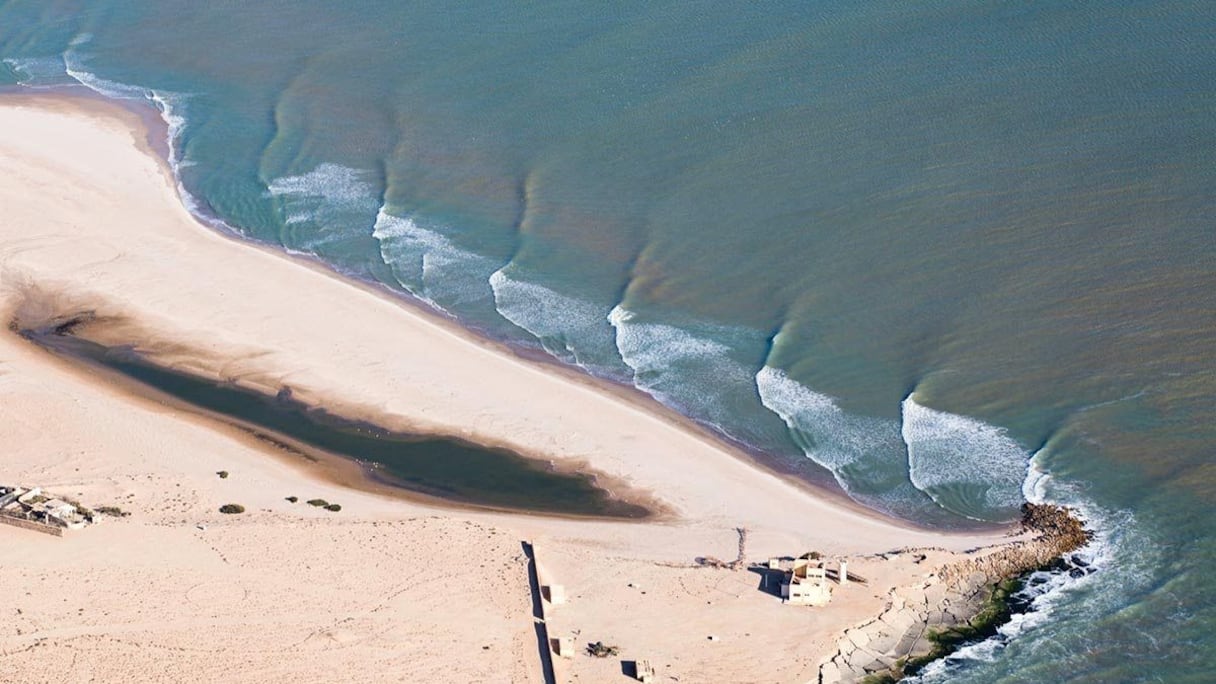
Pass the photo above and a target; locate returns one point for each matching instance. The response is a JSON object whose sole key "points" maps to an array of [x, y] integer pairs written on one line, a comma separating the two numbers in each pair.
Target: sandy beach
{"points": [[389, 588]]}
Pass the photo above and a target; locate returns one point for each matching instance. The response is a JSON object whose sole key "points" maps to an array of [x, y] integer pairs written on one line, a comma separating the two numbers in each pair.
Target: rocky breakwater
{"points": [[958, 602]]}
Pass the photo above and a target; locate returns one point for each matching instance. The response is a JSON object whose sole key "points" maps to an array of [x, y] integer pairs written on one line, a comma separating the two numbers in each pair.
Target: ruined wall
{"points": [[31, 525]]}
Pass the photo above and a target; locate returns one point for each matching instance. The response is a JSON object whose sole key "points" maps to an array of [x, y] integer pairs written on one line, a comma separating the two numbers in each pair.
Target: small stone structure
{"points": [[564, 647], [643, 671], [557, 594]]}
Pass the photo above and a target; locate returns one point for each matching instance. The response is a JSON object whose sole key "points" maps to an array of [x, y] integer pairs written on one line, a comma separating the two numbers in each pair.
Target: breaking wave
{"points": [[693, 370], [429, 265], [322, 205], [571, 329], [1086, 582], [966, 466], [864, 454], [926, 459]]}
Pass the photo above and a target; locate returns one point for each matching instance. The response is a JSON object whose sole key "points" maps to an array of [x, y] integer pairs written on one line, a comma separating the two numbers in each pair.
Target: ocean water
{"points": [[946, 255]]}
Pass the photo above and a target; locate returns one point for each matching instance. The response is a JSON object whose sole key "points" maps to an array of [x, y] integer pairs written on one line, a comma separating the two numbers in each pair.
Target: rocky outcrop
{"points": [[961, 599]]}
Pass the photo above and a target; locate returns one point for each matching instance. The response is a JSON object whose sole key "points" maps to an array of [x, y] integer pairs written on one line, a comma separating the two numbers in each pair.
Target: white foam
{"points": [[569, 328], [840, 439], [689, 369], [39, 72], [1034, 486], [324, 205], [865, 454], [325, 190], [170, 107], [74, 66], [428, 264], [949, 452], [1087, 587], [649, 348]]}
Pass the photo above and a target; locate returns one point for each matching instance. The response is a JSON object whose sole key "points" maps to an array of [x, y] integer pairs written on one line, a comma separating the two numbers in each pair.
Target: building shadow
{"points": [[770, 579]]}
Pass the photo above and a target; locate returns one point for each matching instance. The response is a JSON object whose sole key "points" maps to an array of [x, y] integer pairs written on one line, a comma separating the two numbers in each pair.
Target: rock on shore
{"points": [[951, 598]]}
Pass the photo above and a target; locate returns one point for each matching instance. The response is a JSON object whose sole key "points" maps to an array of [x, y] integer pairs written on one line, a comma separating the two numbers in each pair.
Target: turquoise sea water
{"points": [[949, 255]]}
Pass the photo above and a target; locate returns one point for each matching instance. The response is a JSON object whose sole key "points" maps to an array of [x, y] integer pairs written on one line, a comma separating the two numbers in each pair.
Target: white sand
{"points": [[387, 589]]}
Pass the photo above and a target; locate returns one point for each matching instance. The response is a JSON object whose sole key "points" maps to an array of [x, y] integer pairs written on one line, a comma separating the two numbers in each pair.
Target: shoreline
{"points": [[959, 604], [92, 222], [154, 140]]}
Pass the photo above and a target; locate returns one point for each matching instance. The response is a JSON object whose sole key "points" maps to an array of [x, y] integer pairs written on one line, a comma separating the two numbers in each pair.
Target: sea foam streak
{"points": [[429, 265], [1085, 580], [571, 329], [864, 454], [39, 72], [321, 205], [967, 466], [689, 369]]}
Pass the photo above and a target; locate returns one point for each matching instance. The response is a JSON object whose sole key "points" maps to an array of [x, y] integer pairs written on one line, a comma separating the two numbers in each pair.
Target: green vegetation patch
{"points": [[232, 508]]}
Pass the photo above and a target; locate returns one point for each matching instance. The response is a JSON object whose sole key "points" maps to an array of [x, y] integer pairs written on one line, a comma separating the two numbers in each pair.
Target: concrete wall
{"points": [[31, 525]]}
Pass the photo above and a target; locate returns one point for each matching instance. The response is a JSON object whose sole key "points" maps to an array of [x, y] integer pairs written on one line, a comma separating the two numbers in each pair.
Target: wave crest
{"points": [[571, 329], [429, 265], [967, 466], [39, 72], [693, 369], [864, 454]]}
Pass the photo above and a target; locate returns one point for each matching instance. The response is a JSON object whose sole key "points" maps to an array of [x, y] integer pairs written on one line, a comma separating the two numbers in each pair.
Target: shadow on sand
{"points": [[538, 617]]}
